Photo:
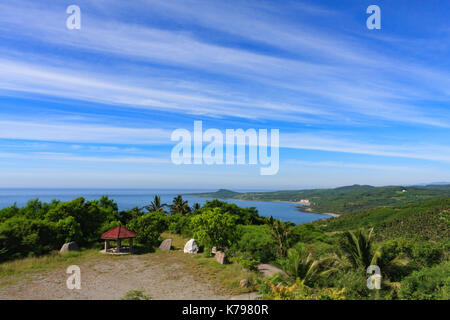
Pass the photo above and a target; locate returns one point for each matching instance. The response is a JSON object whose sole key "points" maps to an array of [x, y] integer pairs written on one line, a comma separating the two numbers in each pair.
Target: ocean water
{"points": [[130, 198]]}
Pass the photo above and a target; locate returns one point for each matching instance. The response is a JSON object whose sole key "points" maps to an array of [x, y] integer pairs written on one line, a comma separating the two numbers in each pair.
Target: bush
{"points": [[429, 283], [20, 237], [353, 281], [419, 254], [247, 216], [212, 228], [298, 291], [249, 264], [148, 228], [308, 233], [135, 295], [180, 224], [255, 242]]}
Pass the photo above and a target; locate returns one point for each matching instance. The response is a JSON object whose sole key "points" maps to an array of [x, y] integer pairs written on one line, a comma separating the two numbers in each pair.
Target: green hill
{"points": [[348, 199], [428, 220]]}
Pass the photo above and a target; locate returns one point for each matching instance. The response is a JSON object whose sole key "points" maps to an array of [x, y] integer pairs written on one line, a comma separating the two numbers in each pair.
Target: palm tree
{"points": [[155, 205], [179, 206], [358, 247], [196, 206], [280, 233], [360, 251], [302, 266]]}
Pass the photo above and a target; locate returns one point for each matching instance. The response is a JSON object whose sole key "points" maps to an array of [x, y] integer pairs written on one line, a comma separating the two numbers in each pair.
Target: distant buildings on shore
{"points": [[305, 202]]}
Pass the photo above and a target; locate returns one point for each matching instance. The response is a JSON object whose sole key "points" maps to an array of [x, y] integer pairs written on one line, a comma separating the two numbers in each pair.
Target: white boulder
{"points": [[191, 246]]}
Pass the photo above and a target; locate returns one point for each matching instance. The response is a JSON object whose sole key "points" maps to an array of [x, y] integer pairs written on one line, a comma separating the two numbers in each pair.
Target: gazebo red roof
{"points": [[119, 232]]}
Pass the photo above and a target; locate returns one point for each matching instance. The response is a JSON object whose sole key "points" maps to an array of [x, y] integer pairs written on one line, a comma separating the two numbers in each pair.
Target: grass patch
{"points": [[20, 269], [227, 276]]}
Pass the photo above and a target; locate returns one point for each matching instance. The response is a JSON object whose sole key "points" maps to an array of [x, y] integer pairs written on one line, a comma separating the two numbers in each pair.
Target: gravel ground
{"points": [[112, 278]]}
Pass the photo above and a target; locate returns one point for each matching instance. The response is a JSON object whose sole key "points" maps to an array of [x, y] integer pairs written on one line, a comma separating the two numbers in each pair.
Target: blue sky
{"points": [[96, 107]]}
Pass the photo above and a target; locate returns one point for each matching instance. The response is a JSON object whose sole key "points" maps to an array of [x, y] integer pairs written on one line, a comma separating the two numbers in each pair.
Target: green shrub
{"points": [[135, 295], [148, 228], [308, 233], [212, 228], [250, 264], [427, 284], [247, 216], [180, 224], [255, 242]]}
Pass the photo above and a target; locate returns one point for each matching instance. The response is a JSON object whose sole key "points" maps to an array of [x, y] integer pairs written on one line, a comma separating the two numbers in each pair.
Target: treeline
{"points": [[38, 227]]}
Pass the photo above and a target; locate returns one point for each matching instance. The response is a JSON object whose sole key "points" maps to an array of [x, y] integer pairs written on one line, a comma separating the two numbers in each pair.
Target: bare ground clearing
{"points": [[161, 275]]}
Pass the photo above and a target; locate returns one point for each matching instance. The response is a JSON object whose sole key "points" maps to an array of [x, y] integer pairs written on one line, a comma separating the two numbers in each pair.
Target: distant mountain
{"points": [[221, 193], [433, 184], [355, 187]]}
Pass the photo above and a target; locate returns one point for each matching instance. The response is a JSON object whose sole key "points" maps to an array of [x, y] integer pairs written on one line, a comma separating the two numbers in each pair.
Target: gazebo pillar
{"points": [[119, 244], [131, 244], [107, 246]]}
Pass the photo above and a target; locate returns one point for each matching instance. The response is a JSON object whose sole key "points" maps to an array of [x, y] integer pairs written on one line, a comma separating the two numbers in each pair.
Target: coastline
{"points": [[300, 207], [308, 210]]}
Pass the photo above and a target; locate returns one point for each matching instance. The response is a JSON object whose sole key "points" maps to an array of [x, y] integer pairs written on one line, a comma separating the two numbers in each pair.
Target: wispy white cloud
{"points": [[322, 142], [346, 78], [81, 133], [113, 135], [347, 165], [54, 156]]}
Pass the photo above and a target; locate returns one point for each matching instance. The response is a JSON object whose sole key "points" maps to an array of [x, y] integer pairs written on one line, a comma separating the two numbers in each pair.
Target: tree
{"points": [[280, 232], [196, 207], [214, 228], [302, 267], [245, 216], [155, 205], [127, 215], [360, 250], [179, 206], [148, 228], [358, 247]]}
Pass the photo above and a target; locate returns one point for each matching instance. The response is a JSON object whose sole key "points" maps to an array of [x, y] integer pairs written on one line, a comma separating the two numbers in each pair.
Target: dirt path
{"points": [[111, 278]]}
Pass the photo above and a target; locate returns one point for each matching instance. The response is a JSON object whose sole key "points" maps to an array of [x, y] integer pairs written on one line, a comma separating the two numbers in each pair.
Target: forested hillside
{"points": [[347, 199]]}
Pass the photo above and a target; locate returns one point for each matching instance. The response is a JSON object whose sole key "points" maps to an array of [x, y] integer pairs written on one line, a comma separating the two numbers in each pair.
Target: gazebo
{"points": [[118, 234]]}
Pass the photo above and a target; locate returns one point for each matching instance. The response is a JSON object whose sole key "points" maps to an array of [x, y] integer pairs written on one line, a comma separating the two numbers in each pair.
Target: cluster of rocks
{"points": [[192, 247]]}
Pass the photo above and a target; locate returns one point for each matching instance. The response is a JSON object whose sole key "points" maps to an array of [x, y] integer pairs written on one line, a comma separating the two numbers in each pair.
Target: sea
{"points": [[131, 198]]}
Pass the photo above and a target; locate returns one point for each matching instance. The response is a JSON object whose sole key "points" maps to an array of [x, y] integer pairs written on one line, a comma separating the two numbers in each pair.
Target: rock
{"points": [[213, 250], [221, 257], [166, 245], [268, 270], [70, 246], [191, 246], [244, 283]]}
